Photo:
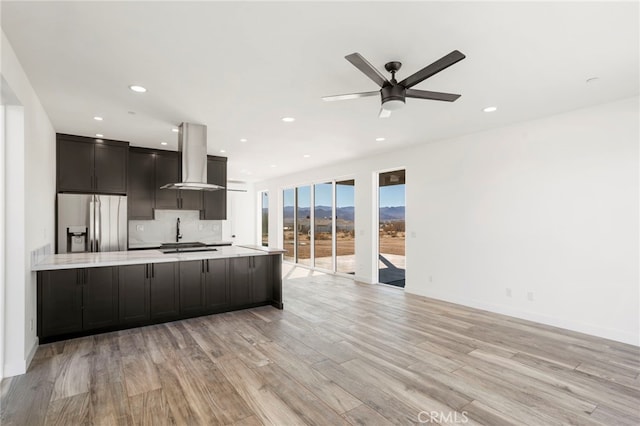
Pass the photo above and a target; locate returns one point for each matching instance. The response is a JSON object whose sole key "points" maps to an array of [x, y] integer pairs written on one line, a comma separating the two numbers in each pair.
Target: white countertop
{"points": [[136, 257]]}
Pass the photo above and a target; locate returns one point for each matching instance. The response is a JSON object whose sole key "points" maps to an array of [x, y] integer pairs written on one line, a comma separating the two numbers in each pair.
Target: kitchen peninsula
{"points": [[89, 293]]}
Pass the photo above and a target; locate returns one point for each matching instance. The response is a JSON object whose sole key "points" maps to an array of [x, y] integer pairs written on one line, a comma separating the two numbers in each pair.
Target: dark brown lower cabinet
{"points": [[192, 278], [216, 289], [59, 302], [164, 291], [251, 280], [73, 300], [100, 298], [79, 301], [134, 294]]}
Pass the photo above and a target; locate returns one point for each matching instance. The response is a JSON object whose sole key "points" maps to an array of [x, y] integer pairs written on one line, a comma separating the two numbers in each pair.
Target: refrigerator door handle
{"points": [[92, 223]]}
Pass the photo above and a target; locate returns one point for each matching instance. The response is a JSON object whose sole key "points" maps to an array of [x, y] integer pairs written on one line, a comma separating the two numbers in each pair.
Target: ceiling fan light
{"points": [[393, 104]]}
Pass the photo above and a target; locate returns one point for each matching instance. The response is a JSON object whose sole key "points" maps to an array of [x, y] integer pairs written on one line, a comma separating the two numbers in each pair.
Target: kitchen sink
{"points": [[187, 249]]}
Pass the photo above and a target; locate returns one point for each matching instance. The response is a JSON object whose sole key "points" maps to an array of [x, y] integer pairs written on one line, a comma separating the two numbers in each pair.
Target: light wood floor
{"points": [[340, 353]]}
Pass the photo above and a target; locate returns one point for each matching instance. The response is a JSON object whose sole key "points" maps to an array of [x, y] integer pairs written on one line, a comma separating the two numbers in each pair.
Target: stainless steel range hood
{"points": [[192, 143]]}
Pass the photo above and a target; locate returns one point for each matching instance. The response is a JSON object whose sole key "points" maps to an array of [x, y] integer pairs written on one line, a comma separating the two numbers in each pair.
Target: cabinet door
{"points": [[240, 283], [167, 171], [59, 302], [141, 189], [100, 298], [261, 279], [215, 202], [164, 291], [216, 284], [110, 168], [75, 166], [134, 293], [192, 287]]}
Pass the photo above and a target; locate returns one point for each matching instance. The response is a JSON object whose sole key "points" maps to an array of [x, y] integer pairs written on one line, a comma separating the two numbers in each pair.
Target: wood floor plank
{"points": [[326, 390], [73, 410], [140, 374], [151, 409], [267, 406], [363, 415]]}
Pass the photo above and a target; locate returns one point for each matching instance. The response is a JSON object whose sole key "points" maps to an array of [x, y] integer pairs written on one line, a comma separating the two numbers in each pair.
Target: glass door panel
{"points": [[391, 226], [323, 225], [303, 219], [265, 218], [345, 227], [288, 224]]}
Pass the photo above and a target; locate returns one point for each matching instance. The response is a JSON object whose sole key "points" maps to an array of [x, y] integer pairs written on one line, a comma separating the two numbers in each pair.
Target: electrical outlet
{"points": [[430, 279], [31, 324], [413, 234], [508, 292], [140, 228], [530, 296], [200, 227]]}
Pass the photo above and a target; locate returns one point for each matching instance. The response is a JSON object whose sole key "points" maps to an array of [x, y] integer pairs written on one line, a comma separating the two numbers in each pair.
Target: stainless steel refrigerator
{"points": [[90, 223]]}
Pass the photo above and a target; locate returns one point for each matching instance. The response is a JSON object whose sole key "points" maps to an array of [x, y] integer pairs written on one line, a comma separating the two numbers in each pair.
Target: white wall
{"points": [[547, 207], [29, 211]]}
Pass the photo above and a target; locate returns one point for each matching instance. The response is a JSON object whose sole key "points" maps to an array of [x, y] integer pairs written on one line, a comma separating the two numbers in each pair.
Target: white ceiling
{"points": [[240, 67]]}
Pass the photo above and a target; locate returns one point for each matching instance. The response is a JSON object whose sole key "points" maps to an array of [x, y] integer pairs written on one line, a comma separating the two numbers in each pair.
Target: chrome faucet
{"points": [[178, 234]]}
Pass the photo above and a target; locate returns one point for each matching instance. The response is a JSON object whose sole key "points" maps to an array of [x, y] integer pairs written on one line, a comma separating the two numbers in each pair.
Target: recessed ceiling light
{"points": [[592, 79], [306, 155], [288, 119], [273, 166], [97, 118], [163, 143], [379, 139], [490, 109], [243, 140], [100, 135], [175, 130], [223, 151], [138, 89]]}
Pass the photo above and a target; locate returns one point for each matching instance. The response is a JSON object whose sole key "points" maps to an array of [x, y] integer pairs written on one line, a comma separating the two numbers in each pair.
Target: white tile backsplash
{"points": [[163, 228]]}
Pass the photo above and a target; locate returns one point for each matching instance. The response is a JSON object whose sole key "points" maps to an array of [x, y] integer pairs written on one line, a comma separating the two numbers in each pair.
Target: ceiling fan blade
{"points": [[426, 72], [384, 113], [350, 96], [363, 65], [435, 96]]}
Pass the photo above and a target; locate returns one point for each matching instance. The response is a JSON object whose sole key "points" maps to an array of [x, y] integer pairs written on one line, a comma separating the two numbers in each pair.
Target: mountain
{"points": [[345, 213]]}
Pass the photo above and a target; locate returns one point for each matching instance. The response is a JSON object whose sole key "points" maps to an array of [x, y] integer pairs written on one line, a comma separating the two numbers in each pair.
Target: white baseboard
{"points": [[20, 367]]}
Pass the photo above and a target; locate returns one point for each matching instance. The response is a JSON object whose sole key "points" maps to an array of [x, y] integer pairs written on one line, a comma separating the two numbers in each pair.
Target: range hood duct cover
{"points": [[192, 143]]}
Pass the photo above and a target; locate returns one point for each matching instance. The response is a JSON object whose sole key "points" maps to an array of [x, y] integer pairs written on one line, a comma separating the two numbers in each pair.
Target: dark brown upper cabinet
{"points": [[150, 169], [91, 165], [141, 188], [215, 202]]}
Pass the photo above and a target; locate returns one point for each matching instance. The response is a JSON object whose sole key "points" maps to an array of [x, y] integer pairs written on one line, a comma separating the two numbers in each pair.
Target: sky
{"points": [[390, 196]]}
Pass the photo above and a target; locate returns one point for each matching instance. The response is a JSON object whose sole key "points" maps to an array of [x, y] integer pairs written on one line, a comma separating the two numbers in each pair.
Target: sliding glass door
{"points": [[289, 224], [264, 211], [303, 225], [345, 227], [391, 226], [323, 225], [322, 237]]}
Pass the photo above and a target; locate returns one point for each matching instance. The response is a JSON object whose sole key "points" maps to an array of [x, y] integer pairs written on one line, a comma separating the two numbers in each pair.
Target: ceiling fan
{"points": [[393, 93]]}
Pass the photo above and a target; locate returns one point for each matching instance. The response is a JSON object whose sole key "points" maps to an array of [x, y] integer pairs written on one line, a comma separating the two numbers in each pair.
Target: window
{"points": [[288, 224], [264, 211]]}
